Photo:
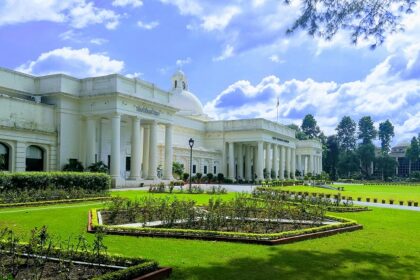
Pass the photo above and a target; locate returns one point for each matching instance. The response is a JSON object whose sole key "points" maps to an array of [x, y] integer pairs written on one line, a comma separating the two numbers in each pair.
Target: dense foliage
{"points": [[37, 186]]}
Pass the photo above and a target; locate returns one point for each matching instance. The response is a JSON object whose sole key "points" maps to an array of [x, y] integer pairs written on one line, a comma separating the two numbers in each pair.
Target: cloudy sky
{"points": [[234, 52]]}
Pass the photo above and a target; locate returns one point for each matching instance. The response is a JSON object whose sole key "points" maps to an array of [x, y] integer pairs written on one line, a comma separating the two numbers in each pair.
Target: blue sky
{"points": [[234, 52]]}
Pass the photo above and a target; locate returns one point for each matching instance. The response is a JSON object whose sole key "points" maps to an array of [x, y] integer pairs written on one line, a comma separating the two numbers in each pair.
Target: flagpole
{"points": [[278, 103]]}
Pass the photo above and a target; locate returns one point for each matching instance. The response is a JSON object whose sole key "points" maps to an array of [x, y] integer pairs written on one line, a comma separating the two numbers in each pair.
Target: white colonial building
{"points": [[138, 130]]}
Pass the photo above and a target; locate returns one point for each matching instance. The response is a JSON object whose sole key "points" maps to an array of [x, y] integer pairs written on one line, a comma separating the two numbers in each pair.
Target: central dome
{"points": [[182, 99]]}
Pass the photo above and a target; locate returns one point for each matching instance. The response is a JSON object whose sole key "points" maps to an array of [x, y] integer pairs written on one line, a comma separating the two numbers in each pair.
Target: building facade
{"points": [[138, 130], [405, 166]]}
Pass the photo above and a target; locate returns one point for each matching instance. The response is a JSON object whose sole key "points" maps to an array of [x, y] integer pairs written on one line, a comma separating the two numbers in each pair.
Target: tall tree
{"points": [[367, 131], [298, 132], [413, 152], [348, 163], [310, 127], [331, 157], [386, 132], [371, 20], [386, 165], [366, 154], [346, 134]]}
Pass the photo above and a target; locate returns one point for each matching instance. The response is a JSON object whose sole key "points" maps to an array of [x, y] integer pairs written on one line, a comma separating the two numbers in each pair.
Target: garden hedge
{"points": [[176, 232], [18, 181]]}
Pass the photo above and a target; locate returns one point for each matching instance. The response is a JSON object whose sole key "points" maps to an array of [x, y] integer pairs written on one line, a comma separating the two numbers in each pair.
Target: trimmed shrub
{"points": [[61, 180]]}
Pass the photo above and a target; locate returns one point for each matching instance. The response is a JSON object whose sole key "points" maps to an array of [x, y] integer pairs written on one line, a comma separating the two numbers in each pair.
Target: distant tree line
{"points": [[350, 153]]}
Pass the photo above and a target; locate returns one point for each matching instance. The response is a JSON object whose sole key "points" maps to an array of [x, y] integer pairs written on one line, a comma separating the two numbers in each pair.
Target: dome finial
{"points": [[179, 81]]}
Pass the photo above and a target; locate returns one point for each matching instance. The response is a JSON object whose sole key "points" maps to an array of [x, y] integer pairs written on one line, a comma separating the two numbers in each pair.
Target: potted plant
{"points": [[375, 200], [359, 199], [367, 199], [401, 202], [391, 201]]}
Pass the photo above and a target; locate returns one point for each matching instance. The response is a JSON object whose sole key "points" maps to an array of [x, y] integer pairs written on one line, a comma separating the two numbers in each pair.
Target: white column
{"points": [[299, 163], [320, 164], [231, 161], [115, 146], [254, 161], [224, 159], [311, 164], [282, 161], [91, 141], [305, 164], [169, 152], [276, 160], [396, 166], [260, 161], [288, 162], [153, 151], [240, 161], [248, 163], [268, 160], [146, 147], [293, 169], [135, 149]]}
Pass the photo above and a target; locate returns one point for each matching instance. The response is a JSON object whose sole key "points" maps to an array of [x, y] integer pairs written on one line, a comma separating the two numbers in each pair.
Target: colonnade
{"points": [[248, 161], [144, 148], [309, 164]]}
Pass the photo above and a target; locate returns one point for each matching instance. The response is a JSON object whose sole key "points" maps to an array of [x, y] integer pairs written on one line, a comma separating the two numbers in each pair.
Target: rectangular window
{"points": [[205, 169], [109, 162], [194, 169], [214, 169], [128, 164]]}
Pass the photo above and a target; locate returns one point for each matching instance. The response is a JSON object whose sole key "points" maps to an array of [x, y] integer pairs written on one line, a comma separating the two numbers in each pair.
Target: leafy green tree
{"points": [[386, 165], [331, 157], [309, 127], [298, 132], [370, 20], [366, 154], [178, 169], [348, 163], [413, 152], [386, 132], [367, 131], [346, 134]]}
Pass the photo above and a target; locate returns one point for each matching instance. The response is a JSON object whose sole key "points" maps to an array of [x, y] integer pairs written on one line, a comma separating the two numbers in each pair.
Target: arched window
{"points": [[176, 84], [184, 86], [34, 159], [4, 157]]}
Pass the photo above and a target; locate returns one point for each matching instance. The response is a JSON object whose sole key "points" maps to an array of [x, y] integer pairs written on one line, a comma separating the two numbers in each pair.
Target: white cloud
{"points": [[220, 20], [123, 3], [227, 52], [98, 41], [147, 25], [86, 13], [75, 62], [134, 75], [77, 13], [390, 91], [182, 62], [275, 58]]}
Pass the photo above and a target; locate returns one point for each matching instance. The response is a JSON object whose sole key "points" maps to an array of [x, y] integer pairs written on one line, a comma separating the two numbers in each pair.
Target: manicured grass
{"points": [[387, 248], [397, 193]]}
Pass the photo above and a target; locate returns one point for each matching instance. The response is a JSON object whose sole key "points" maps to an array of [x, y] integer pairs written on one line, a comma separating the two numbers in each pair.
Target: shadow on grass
{"points": [[301, 264]]}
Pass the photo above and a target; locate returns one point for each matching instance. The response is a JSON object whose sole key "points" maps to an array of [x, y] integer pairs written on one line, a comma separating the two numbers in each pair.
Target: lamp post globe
{"points": [[191, 143]]}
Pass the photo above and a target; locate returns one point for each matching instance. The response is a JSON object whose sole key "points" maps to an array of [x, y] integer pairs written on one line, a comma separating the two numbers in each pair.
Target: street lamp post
{"points": [[191, 143]]}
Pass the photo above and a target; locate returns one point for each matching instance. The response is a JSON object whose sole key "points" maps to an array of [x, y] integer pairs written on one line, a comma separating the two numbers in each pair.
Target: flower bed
{"points": [[51, 202], [40, 258], [243, 220]]}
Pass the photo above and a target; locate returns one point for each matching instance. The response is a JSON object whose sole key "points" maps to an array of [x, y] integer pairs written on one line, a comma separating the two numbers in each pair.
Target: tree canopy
{"points": [[309, 127], [346, 134], [386, 132], [367, 131], [370, 20]]}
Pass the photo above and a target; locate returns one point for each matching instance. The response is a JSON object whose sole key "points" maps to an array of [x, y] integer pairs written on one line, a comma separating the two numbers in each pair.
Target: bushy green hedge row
{"points": [[18, 181], [131, 272]]}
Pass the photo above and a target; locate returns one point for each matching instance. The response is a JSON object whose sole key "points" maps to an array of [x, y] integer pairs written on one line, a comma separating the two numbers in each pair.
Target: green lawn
{"points": [[387, 248], [397, 193]]}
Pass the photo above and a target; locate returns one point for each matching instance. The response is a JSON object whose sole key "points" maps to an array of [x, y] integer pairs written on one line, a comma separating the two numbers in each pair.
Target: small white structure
{"points": [[137, 129]]}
